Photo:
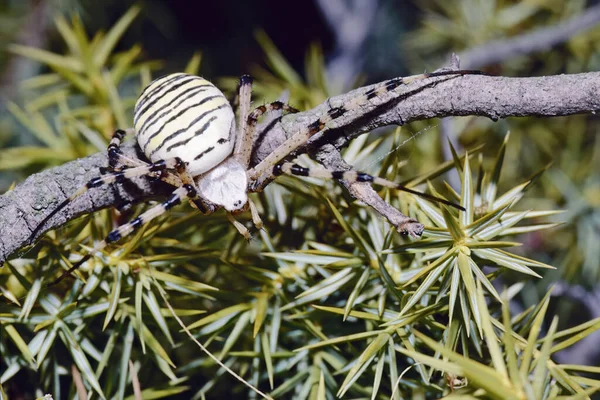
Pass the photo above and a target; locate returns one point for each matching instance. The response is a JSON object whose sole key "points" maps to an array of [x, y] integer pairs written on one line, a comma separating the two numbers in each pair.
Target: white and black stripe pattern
{"points": [[244, 147], [117, 161], [186, 128], [354, 176], [185, 191], [114, 148], [301, 137], [185, 116], [112, 177]]}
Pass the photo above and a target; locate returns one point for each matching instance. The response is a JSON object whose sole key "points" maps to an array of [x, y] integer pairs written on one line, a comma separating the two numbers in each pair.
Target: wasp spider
{"points": [[186, 128]]}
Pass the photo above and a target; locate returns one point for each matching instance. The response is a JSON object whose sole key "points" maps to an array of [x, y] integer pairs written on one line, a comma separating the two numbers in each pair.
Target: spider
{"points": [[186, 128]]}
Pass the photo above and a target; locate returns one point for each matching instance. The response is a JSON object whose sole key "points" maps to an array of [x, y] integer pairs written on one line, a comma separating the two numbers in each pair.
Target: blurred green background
{"points": [[331, 47]]}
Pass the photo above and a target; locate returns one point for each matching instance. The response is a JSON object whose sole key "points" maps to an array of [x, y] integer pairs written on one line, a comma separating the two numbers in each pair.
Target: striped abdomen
{"points": [[185, 116]]}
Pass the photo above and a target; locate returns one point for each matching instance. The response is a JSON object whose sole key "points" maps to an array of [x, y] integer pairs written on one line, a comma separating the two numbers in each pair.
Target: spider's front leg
{"points": [[403, 224], [360, 105], [255, 215], [247, 121], [257, 182], [245, 140]]}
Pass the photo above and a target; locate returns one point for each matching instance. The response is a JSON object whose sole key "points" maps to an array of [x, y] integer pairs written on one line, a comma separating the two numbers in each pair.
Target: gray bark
{"points": [[494, 97]]}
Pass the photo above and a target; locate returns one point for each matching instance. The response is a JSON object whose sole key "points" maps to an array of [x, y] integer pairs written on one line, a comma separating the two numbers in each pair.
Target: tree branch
{"points": [[495, 97], [537, 40]]}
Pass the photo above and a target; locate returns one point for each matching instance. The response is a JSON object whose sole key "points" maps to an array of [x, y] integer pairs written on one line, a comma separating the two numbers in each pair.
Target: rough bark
{"points": [[494, 97]]}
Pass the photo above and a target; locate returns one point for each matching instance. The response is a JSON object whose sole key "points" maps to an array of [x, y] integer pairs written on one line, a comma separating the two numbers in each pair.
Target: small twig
{"points": [[78, 382], [135, 382], [538, 40], [33, 32]]}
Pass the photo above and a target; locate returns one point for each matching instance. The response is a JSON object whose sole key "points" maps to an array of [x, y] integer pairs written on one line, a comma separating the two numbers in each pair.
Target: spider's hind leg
{"points": [[185, 191], [354, 176]]}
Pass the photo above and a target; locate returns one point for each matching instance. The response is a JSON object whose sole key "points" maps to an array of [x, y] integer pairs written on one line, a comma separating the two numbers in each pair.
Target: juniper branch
{"points": [[494, 97]]}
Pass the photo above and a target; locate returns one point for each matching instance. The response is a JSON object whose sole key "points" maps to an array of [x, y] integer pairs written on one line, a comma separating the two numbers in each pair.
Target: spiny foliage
{"points": [[327, 301], [572, 181]]}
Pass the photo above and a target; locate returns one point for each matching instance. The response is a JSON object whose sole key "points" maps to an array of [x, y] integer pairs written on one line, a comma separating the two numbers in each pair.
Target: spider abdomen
{"points": [[185, 116]]}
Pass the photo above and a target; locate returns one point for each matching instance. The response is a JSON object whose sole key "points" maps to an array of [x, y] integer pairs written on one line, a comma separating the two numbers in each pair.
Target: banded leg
{"points": [[354, 176], [117, 161], [300, 138], [245, 146], [115, 156], [244, 100], [185, 191], [183, 177], [120, 176]]}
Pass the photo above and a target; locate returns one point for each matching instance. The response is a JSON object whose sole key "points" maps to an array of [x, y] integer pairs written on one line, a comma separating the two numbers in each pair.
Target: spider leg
{"points": [[119, 176], [247, 121], [116, 158], [239, 226], [117, 161], [354, 176], [244, 98], [379, 91], [259, 112], [256, 220], [185, 191]]}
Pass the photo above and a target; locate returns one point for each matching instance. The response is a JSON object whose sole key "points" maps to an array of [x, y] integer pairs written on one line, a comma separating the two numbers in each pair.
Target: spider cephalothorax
{"points": [[186, 128]]}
